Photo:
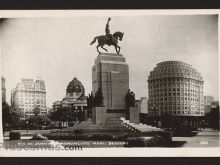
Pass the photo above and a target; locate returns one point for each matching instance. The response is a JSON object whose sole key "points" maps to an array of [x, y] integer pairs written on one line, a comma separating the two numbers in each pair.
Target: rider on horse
{"points": [[109, 36], [108, 39]]}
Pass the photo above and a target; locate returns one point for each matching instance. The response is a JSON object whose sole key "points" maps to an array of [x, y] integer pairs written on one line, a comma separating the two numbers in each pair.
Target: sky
{"points": [[57, 49]]}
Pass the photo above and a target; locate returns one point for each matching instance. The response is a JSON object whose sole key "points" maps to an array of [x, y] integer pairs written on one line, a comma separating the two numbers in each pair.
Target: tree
{"points": [[166, 120], [6, 116], [10, 115], [90, 100], [213, 118], [16, 115], [39, 120], [36, 111]]}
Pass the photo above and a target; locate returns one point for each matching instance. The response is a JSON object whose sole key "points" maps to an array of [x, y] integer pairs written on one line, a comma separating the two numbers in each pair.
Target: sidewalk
{"points": [[204, 138]]}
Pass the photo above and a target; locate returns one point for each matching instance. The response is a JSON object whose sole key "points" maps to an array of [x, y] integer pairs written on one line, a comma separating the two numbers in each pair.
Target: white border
{"points": [[109, 152]]}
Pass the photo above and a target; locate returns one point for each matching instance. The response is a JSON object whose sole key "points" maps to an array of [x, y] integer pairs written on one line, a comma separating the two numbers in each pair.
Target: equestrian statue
{"points": [[108, 39]]}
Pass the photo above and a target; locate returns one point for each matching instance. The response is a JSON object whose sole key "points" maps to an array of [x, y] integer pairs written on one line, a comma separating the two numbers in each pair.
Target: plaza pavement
{"points": [[204, 138]]}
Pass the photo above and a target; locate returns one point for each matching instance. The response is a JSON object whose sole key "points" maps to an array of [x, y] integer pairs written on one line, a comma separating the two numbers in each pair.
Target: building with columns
{"points": [[28, 94], [75, 98], [175, 88]]}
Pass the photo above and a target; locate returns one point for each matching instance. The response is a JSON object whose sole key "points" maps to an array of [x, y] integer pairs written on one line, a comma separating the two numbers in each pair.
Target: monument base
{"points": [[99, 115], [134, 115]]}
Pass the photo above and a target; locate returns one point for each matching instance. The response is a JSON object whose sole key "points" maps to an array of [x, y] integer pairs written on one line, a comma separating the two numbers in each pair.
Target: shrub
{"points": [[160, 141], [155, 141], [135, 142], [183, 132], [66, 136], [14, 136], [103, 137], [127, 135], [78, 131], [39, 137]]}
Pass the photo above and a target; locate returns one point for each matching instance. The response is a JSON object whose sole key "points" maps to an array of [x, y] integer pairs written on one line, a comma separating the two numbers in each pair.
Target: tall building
{"points": [[3, 89], [28, 94], [142, 105], [208, 100], [175, 88]]}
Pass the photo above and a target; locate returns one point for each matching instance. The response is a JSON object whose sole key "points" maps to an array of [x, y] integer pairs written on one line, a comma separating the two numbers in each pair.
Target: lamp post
{"points": [[44, 123], [27, 126], [9, 124], [76, 111], [50, 126]]}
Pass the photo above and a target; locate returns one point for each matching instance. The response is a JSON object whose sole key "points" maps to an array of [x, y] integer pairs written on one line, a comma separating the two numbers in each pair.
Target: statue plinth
{"points": [[110, 73]]}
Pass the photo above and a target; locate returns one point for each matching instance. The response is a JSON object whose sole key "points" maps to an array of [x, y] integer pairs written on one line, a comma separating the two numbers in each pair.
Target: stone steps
{"points": [[113, 124], [140, 127]]}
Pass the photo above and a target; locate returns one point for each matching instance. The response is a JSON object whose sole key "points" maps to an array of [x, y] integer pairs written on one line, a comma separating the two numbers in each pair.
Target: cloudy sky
{"points": [[57, 49]]}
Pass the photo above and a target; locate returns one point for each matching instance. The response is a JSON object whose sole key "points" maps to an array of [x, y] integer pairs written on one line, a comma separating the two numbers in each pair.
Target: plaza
{"points": [[99, 104]]}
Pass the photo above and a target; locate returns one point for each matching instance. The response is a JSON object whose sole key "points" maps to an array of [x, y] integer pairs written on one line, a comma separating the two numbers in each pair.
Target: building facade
{"points": [[175, 88], [28, 94], [208, 101], [75, 98], [142, 105], [3, 89]]}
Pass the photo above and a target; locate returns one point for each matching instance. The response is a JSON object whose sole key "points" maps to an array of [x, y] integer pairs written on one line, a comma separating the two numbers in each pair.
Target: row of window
{"points": [[29, 95], [178, 113], [179, 63], [155, 72], [159, 93], [165, 85], [173, 80], [175, 99]]}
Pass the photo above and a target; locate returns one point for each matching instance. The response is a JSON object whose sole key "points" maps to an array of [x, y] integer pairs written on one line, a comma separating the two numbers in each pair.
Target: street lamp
{"points": [[27, 126], [76, 111]]}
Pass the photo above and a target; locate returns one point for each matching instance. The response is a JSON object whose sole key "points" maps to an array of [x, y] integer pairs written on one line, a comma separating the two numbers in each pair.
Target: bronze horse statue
{"points": [[108, 40]]}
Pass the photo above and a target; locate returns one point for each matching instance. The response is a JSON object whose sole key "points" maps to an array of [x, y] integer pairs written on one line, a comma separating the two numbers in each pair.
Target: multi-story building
{"points": [[3, 89], [175, 88], [142, 105], [208, 100], [28, 94], [75, 98]]}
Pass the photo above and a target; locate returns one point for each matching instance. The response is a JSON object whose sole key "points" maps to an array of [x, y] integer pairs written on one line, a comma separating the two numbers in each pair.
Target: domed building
{"points": [[175, 88], [75, 97], [75, 91]]}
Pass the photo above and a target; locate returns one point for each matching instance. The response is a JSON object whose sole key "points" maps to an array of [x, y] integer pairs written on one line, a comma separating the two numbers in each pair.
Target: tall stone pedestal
{"points": [[99, 115], [134, 115], [110, 73]]}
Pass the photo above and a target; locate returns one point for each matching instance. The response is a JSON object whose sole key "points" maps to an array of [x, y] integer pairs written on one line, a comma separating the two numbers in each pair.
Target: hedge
{"points": [[14, 135], [94, 137]]}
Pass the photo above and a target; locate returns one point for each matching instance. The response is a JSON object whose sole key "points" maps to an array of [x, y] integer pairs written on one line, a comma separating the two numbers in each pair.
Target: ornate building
{"points": [[28, 94], [3, 89], [175, 88], [75, 97]]}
